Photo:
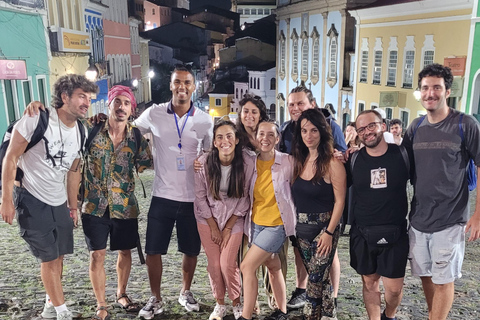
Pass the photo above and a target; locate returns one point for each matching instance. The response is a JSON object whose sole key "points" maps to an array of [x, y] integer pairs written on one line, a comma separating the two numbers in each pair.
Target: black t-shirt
{"points": [[379, 188]]}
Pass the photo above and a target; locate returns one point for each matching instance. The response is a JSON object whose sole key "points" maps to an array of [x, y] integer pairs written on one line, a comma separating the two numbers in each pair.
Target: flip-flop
{"points": [[97, 317], [130, 306]]}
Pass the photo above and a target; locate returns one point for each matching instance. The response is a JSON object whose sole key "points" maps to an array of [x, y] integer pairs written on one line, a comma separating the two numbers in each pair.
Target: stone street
{"points": [[22, 295]]}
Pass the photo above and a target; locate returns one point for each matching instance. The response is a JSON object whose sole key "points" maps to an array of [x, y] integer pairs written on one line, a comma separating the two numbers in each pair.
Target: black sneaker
{"points": [[277, 315], [384, 317], [297, 300]]}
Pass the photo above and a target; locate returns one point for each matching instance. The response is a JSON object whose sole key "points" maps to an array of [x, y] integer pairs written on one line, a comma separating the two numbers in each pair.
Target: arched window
{"points": [[272, 84]]}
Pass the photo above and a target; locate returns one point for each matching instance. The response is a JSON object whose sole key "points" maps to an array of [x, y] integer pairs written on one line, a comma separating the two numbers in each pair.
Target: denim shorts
{"points": [[438, 255], [270, 239]]}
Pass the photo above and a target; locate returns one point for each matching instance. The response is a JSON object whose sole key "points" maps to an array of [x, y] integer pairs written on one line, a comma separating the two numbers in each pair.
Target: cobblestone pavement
{"points": [[22, 295]]}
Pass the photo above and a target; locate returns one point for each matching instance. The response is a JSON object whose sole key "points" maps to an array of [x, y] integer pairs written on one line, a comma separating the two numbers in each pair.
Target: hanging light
{"points": [[92, 71]]}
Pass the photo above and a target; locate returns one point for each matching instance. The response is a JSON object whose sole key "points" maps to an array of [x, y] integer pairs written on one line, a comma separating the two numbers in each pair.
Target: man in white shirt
{"points": [[46, 209], [180, 131]]}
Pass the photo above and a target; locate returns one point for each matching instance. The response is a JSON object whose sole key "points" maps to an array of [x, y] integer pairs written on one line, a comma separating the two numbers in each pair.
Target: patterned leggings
{"points": [[319, 297]]}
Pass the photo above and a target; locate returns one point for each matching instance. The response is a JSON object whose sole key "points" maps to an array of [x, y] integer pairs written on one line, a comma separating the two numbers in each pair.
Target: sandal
{"points": [[130, 306], [97, 317]]}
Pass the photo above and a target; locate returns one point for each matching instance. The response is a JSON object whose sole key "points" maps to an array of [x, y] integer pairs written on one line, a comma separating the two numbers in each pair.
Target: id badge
{"points": [[181, 162]]}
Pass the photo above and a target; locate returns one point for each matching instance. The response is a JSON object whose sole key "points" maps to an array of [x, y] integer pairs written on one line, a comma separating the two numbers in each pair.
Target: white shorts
{"points": [[438, 255]]}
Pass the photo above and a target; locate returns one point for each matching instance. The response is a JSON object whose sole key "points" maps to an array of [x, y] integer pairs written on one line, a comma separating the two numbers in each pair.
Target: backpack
{"points": [[37, 136], [471, 167]]}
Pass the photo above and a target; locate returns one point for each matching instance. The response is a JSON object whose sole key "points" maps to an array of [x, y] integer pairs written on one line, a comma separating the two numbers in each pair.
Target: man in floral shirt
{"points": [[110, 206]]}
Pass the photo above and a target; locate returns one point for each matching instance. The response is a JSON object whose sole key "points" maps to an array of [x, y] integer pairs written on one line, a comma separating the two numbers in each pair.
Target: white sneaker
{"points": [[237, 310], [219, 312], [49, 311], [187, 300], [64, 315], [152, 308]]}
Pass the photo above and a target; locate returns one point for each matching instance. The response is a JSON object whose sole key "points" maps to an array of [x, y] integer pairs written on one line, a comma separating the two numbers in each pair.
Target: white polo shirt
{"points": [[171, 183]]}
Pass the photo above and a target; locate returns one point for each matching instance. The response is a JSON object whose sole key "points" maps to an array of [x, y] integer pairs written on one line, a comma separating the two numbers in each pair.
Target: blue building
{"points": [[24, 51]]}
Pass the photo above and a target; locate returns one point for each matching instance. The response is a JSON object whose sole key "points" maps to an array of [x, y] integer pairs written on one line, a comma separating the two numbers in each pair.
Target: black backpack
{"points": [[38, 135]]}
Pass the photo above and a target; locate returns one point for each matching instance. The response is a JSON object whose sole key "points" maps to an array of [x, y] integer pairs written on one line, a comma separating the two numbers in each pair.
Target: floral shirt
{"points": [[109, 174]]}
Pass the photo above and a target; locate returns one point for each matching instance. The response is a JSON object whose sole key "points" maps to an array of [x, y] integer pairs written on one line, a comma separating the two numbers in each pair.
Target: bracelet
{"points": [[72, 209], [328, 232]]}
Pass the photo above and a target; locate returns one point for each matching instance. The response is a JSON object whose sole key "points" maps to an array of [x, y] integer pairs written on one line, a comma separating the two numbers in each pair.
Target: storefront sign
{"points": [[456, 64], [73, 41], [13, 70]]}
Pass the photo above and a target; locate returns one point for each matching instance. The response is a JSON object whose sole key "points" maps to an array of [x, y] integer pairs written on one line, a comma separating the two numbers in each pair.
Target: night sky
{"points": [[225, 4]]}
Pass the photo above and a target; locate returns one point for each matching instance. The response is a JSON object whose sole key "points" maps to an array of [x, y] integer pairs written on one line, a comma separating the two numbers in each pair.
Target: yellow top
{"points": [[265, 210]]}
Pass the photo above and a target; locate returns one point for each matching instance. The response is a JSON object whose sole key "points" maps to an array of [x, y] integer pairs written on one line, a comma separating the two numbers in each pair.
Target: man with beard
{"points": [[396, 130], [46, 207], [378, 237], [180, 131], [442, 143], [110, 206]]}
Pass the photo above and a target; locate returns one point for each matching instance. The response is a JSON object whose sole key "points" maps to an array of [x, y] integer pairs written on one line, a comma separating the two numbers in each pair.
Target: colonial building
{"points": [[315, 46], [471, 92], [24, 73], [396, 41], [252, 10]]}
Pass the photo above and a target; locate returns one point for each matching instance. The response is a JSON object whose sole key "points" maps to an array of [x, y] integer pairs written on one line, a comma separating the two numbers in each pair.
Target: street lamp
{"points": [[135, 83], [92, 71]]}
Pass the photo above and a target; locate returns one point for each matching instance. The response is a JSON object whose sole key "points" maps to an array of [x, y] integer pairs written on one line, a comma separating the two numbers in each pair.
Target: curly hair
{"points": [[69, 83], [258, 102], [214, 172], [439, 71], [325, 147]]}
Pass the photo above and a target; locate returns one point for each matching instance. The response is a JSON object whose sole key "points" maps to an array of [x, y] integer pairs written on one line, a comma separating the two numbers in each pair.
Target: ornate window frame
{"points": [[332, 75], [315, 73], [294, 38]]}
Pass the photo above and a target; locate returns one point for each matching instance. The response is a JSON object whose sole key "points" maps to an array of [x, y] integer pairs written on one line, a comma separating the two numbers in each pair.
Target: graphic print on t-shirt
{"points": [[378, 178]]}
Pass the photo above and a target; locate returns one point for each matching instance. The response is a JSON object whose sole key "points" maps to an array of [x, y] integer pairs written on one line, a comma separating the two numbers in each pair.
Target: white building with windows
{"points": [[315, 47], [251, 10], [395, 42]]}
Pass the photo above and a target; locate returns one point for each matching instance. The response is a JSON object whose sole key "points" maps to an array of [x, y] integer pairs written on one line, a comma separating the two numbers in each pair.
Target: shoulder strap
{"points": [[404, 153], [418, 125], [81, 129], [95, 130], [138, 143], [460, 127], [353, 158], [40, 130]]}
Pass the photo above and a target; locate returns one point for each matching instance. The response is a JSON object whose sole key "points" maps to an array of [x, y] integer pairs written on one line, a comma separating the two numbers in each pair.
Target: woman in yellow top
{"points": [[270, 221]]}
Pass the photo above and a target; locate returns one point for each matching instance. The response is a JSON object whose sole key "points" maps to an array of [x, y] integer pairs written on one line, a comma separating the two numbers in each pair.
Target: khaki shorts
{"points": [[438, 255]]}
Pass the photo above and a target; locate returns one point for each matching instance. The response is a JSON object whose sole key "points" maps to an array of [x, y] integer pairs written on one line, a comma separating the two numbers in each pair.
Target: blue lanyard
{"points": [[183, 127]]}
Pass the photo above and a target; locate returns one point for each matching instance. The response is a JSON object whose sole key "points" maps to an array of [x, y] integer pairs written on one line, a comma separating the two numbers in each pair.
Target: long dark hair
{"points": [[325, 147], [258, 102], [214, 171]]}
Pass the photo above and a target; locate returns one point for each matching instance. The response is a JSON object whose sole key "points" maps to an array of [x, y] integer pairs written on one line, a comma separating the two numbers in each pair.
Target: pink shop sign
{"points": [[13, 70]]}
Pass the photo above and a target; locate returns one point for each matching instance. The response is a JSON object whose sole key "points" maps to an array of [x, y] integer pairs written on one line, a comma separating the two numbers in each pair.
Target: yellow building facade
{"points": [[393, 45], [219, 104]]}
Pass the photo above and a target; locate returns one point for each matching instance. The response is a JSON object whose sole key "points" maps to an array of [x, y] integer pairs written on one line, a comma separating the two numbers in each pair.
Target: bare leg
{"points": [[300, 271], [277, 282], [335, 274], [155, 270], [440, 297], [371, 295], [97, 277], [189, 264], [51, 274], [393, 295], [254, 258], [124, 266]]}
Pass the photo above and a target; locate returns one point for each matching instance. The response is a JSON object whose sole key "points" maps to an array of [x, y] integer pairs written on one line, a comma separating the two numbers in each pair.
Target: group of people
{"points": [[252, 179]]}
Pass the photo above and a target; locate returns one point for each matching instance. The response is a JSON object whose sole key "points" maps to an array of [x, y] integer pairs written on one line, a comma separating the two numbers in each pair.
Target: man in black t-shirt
{"points": [[378, 238]]}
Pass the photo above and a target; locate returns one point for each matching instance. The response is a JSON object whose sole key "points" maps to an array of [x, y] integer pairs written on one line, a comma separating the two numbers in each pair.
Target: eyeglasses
{"points": [[371, 126]]}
